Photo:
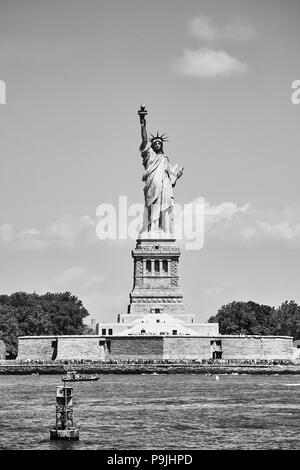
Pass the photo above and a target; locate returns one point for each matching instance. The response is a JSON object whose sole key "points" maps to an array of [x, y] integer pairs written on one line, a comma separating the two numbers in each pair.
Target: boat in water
{"points": [[73, 376]]}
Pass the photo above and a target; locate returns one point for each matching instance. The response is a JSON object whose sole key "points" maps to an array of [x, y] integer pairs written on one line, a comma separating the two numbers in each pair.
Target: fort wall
{"points": [[36, 347], [136, 347], [93, 347]]}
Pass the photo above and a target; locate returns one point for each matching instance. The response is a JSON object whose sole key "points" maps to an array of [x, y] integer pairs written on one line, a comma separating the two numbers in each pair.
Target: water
{"points": [[156, 412]]}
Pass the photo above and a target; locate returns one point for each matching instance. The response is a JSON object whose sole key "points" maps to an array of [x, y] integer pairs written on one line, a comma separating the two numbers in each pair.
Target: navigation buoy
{"points": [[64, 428]]}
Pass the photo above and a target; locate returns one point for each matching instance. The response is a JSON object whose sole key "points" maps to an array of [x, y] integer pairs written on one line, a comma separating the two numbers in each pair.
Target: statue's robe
{"points": [[159, 178]]}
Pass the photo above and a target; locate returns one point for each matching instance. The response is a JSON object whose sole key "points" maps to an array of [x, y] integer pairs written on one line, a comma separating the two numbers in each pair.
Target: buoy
{"points": [[64, 428]]}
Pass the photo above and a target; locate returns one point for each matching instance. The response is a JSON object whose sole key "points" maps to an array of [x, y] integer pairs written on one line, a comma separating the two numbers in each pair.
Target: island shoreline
{"points": [[208, 369]]}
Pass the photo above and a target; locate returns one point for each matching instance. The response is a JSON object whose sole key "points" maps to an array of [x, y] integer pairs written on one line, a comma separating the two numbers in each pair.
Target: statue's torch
{"points": [[142, 112]]}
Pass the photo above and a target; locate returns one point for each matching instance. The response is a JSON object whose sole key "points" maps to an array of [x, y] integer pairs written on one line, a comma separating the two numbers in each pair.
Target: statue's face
{"points": [[156, 145]]}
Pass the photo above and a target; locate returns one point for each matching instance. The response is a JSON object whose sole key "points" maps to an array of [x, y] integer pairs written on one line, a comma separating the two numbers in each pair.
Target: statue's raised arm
{"points": [[142, 113]]}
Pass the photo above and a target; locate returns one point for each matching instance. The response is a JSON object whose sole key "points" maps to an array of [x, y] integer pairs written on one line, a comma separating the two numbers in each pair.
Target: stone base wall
{"points": [[233, 347], [242, 347], [36, 348], [49, 348], [86, 347], [154, 347], [257, 347], [136, 347], [187, 348]]}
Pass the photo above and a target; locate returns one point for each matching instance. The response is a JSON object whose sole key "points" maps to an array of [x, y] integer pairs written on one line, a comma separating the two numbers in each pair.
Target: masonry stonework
{"points": [[76, 347], [36, 348], [257, 347], [136, 348], [97, 348], [187, 348], [156, 281]]}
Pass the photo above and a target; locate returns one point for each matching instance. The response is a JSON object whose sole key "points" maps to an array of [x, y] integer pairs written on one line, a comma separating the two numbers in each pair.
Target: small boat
{"points": [[73, 376]]}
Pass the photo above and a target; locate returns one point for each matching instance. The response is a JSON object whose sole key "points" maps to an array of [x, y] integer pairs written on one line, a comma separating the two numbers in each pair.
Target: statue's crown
{"points": [[161, 138]]}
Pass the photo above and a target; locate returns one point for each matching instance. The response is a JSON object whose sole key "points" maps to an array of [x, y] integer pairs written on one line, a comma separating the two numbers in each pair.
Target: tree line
{"points": [[23, 314], [250, 318]]}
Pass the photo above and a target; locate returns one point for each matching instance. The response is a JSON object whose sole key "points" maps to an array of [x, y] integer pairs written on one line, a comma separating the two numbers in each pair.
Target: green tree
{"points": [[286, 320], [66, 313], [244, 318], [23, 314], [9, 329], [254, 319]]}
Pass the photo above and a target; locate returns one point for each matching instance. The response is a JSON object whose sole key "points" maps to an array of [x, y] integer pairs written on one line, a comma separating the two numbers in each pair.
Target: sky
{"points": [[216, 77]]}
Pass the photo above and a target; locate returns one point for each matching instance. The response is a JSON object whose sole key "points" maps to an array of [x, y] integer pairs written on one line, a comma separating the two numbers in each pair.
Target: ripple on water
{"points": [[164, 411]]}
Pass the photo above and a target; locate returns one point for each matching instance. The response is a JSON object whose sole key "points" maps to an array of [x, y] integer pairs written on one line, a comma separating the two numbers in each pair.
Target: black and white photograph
{"points": [[149, 229]]}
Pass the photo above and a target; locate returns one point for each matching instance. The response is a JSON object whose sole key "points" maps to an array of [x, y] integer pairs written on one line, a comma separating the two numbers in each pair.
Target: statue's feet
{"points": [[155, 234]]}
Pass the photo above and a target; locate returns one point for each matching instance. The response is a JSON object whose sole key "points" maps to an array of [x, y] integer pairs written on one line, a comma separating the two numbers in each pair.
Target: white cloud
{"points": [[66, 233], [208, 63], [28, 239], [211, 291], [201, 27], [225, 210], [229, 222]]}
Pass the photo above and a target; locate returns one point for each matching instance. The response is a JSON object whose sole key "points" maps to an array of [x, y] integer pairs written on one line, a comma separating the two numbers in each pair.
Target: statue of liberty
{"points": [[160, 178]]}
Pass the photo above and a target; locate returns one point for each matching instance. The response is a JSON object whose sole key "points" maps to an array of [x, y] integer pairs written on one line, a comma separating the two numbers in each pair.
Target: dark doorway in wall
{"points": [[54, 347], [217, 355], [102, 349]]}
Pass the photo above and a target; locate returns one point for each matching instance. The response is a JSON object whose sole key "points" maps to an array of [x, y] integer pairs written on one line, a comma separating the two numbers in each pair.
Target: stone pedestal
{"points": [[156, 280]]}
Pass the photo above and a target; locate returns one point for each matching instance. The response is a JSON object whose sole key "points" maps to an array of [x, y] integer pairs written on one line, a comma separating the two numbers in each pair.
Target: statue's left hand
{"points": [[180, 172]]}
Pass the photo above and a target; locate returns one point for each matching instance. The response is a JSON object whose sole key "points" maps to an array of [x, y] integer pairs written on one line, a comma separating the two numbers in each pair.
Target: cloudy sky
{"points": [[216, 76]]}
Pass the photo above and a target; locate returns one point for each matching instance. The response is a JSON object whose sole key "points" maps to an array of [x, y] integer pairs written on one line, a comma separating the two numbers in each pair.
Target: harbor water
{"points": [[155, 412]]}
